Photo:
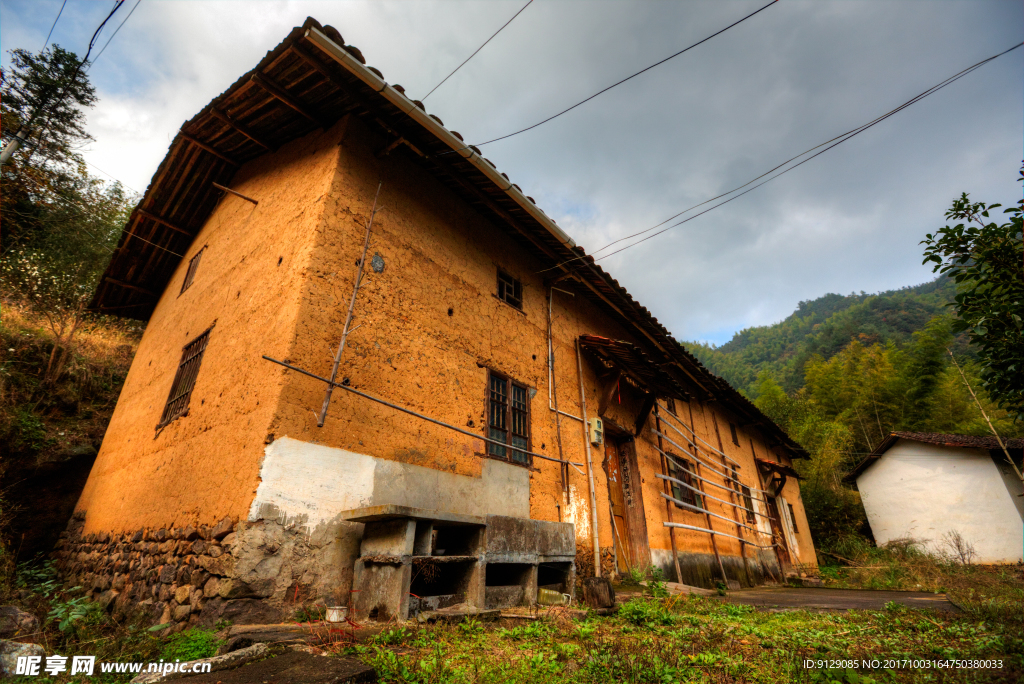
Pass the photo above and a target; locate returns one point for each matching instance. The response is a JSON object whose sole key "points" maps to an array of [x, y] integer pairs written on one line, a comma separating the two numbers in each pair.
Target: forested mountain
{"points": [[824, 326]]}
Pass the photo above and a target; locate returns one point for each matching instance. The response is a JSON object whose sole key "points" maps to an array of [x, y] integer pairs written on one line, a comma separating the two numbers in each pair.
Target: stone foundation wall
{"points": [[247, 572]]}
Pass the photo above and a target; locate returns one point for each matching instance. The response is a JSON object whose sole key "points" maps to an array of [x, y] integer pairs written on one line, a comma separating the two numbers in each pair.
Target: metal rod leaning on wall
{"points": [[696, 455], [351, 308], [713, 533], [590, 462], [420, 415], [683, 423], [732, 495], [668, 504], [692, 488]]}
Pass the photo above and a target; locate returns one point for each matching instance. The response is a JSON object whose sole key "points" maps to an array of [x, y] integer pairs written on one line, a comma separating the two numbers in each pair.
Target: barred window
{"points": [[744, 493], [792, 517], [735, 437], [510, 290], [508, 419], [190, 274], [184, 379], [681, 469]]}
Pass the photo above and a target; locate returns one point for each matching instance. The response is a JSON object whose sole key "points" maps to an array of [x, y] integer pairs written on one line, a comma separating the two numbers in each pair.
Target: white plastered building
{"points": [[928, 486]]}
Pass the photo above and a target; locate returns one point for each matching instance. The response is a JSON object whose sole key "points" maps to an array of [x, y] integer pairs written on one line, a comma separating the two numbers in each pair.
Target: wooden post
{"points": [[668, 504]]}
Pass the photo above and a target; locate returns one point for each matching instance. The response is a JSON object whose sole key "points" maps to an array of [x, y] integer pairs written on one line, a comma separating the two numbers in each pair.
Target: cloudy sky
{"points": [[795, 75]]}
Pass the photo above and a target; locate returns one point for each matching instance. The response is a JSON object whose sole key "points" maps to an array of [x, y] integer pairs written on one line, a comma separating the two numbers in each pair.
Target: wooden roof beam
{"points": [[211, 150], [281, 94], [239, 128], [129, 286], [163, 222]]}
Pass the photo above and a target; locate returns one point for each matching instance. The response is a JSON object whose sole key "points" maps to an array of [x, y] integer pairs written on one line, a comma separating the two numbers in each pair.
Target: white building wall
{"points": [[925, 490]]}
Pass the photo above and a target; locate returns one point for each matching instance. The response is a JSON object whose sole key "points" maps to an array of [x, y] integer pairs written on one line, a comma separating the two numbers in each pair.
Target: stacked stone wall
{"points": [[248, 572]]}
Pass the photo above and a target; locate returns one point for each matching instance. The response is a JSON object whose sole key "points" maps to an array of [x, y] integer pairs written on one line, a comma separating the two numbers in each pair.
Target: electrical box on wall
{"points": [[596, 431]]}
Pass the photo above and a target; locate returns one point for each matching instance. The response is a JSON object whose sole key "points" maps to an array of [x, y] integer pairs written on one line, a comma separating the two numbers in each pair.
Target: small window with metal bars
{"points": [[681, 469], [744, 493], [190, 274], [508, 419], [184, 379], [510, 290]]}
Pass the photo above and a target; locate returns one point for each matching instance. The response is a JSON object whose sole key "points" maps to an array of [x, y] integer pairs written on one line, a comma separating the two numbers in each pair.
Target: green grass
{"points": [[692, 639]]}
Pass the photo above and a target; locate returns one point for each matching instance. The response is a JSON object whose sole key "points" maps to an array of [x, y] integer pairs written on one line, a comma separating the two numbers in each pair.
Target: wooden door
{"points": [[778, 534], [624, 488]]}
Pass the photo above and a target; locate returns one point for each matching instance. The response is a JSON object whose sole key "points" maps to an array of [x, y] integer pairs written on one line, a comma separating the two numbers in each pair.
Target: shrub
{"points": [[191, 644], [645, 613]]}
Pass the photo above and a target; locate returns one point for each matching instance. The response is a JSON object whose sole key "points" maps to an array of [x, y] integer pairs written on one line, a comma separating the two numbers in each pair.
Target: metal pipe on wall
{"points": [[590, 463]]}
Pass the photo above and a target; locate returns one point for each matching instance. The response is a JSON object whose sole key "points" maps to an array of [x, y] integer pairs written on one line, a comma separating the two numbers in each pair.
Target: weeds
{"points": [[191, 644]]}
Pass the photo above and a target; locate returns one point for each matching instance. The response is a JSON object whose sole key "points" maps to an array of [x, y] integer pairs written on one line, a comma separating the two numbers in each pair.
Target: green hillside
{"points": [[824, 326]]}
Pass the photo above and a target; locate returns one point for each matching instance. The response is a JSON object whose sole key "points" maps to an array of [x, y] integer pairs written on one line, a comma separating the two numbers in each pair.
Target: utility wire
{"points": [[74, 76], [618, 83], [529, 2], [113, 34], [834, 142], [54, 24]]}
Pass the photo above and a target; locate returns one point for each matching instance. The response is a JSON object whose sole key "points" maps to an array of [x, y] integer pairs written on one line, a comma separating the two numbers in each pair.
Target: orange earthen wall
{"points": [[205, 465]]}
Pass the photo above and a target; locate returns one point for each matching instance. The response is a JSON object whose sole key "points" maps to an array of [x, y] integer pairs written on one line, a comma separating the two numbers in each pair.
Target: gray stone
{"points": [[217, 663], [251, 612], [222, 529], [190, 533], [15, 622], [237, 589], [181, 613], [168, 573], [10, 651]]}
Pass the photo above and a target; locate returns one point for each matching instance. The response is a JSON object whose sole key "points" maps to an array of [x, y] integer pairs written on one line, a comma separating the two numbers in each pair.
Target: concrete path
{"points": [[804, 598]]}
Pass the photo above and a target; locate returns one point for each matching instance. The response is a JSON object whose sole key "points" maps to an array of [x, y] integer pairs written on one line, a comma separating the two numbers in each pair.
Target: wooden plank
{"points": [[645, 411], [211, 150], [282, 95], [609, 392]]}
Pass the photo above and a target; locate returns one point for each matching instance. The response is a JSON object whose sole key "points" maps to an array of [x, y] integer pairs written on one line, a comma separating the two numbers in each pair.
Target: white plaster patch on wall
{"points": [[306, 485], [924, 491], [577, 512]]}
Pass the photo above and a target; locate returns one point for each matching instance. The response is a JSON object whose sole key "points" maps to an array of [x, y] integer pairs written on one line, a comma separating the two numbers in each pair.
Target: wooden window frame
{"points": [[506, 281], [190, 274], [508, 420], [185, 379], [682, 467]]}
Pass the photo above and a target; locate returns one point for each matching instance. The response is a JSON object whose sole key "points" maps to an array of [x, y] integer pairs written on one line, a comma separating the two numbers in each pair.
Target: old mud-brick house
{"points": [[504, 414]]}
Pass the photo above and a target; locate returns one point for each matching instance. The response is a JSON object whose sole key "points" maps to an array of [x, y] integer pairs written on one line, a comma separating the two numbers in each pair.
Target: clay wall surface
{"points": [[430, 325], [204, 466]]}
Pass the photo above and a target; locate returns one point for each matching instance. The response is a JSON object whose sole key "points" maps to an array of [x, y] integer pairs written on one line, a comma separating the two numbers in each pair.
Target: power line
{"points": [[114, 34], [529, 2], [54, 24], [838, 140], [618, 83], [74, 76]]}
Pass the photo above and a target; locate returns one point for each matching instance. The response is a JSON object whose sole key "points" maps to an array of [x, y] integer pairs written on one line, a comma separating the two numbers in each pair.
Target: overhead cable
{"points": [[630, 77], [47, 42], [114, 34], [474, 52], [839, 139]]}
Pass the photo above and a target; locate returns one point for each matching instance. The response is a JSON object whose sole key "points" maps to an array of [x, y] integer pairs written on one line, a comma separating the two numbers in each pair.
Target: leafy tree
{"points": [[40, 101], [35, 106], [60, 223], [986, 260]]}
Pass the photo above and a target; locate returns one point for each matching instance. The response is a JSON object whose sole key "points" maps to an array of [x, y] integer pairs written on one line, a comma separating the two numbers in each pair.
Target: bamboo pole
{"points": [[732, 497]]}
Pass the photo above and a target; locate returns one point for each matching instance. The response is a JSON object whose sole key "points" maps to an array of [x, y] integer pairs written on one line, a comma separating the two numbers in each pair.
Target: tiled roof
{"points": [[954, 441]]}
